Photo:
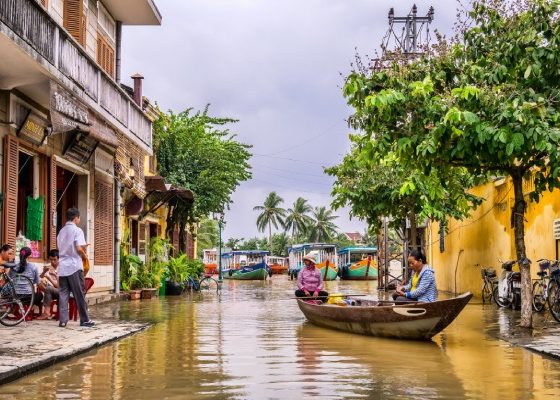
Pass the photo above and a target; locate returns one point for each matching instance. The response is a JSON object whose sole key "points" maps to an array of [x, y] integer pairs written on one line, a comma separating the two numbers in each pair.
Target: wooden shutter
{"points": [[103, 231], [52, 199], [44, 3], [105, 55], [11, 166], [74, 19], [141, 238], [176, 240]]}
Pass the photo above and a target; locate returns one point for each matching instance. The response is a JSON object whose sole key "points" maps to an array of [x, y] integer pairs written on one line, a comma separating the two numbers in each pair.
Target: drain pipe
{"points": [[456, 266], [117, 223]]}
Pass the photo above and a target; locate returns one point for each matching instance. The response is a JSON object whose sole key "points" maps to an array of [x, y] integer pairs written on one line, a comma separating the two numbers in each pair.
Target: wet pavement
{"points": [[252, 342]]}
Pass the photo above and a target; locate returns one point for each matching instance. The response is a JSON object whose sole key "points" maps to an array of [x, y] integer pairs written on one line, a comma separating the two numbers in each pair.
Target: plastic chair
{"points": [[72, 307]]}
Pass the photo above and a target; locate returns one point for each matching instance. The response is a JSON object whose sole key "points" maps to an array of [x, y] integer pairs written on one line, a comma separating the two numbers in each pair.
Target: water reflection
{"points": [[252, 343]]}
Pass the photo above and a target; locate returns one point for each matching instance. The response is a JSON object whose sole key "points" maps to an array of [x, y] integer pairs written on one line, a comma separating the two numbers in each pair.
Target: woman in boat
{"points": [[422, 284], [310, 280]]}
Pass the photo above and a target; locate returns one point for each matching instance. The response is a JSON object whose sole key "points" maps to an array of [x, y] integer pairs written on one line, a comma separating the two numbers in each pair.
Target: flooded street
{"points": [[253, 343]]}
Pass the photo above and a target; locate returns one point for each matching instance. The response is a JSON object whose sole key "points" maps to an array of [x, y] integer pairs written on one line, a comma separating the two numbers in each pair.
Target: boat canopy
{"points": [[358, 249], [310, 246]]}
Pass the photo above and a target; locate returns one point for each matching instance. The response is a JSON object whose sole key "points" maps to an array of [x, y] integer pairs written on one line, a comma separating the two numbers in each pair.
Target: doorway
{"points": [[67, 190]]}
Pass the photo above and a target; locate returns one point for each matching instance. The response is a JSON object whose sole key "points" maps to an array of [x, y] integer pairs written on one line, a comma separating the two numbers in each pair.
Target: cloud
{"points": [[274, 65]]}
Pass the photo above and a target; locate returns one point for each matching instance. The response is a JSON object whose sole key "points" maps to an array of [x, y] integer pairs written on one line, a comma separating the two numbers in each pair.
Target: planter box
{"points": [[148, 293], [134, 294]]}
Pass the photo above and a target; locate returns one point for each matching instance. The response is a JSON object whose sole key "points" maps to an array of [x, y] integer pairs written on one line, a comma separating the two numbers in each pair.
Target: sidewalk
{"points": [[31, 346]]}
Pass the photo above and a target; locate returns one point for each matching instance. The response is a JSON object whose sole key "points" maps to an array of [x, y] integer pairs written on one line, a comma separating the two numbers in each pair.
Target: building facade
{"points": [[71, 136]]}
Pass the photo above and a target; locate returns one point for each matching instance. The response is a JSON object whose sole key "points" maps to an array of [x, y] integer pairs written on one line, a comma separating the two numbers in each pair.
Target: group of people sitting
{"points": [[421, 285], [64, 275]]}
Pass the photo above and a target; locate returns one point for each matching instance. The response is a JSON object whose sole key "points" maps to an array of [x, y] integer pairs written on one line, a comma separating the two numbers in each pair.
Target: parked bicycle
{"points": [[14, 307], [553, 295], [207, 283], [540, 286], [489, 282], [508, 290]]}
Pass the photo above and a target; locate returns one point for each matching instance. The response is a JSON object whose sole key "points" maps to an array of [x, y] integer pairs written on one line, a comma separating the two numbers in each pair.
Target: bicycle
{"points": [[540, 286], [206, 284], [490, 280], [553, 295], [14, 307], [510, 292]]}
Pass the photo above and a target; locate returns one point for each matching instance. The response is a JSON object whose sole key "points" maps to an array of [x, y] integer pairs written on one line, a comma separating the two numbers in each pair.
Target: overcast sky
{"points": [[275, 65]]}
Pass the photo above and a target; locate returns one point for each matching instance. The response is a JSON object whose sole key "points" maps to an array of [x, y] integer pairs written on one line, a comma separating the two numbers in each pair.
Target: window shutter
{"points": [[176, 240], [103, 248], [105, 55], [51, 219], [74, 19], [141, 238], [11, 166]]}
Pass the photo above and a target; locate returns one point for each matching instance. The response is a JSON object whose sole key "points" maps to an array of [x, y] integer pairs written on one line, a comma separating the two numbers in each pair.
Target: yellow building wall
{"points": [[486, 237]]}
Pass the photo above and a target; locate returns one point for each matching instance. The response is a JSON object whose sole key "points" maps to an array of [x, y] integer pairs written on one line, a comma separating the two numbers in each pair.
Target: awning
{"points": [[163, 193], [155, 184]]}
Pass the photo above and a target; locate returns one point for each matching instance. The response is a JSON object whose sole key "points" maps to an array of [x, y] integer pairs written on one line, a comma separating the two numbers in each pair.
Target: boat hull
{"points": [[278, 269], [331, 273], [417, 321], [257, 274], [358, 273], [210, 269]]}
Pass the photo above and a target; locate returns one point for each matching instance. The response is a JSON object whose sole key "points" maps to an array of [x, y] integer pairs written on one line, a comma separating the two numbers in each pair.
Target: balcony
{"points": [[50, 53]]}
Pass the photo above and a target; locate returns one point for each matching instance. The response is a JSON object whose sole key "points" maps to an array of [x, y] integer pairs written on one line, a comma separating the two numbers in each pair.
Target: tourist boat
{"points": [[418, 320], [357, 263], [325, 259], [210, 260], [245, 265], [278, 265]]}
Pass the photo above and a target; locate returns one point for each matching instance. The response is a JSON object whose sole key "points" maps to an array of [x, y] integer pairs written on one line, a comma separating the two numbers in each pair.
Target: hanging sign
{"points": [[34, 129]]}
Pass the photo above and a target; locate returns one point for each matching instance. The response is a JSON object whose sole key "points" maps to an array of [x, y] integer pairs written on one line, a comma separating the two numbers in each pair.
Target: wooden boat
{"points": [[357, 263], [210, 260], [278, 265], [418, 321], [325, 259], [245, 265]]}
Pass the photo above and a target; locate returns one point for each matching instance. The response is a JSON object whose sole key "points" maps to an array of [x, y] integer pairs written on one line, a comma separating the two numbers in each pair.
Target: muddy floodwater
{"points": [[252, 342]]}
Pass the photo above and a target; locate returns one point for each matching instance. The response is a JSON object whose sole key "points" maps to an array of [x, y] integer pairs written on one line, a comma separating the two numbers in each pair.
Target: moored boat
{"points": [[278, 265], [245, 265], [210, 260], [325, 259], [357, 263], [418, 321]]}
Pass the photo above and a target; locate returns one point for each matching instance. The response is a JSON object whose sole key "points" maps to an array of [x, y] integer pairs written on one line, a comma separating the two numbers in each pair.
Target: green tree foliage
{"points": [[280, 244], [322, 228], [271, 214], [234, 243], [197, 152], [297, 218], [488, 103], [207, 235]]}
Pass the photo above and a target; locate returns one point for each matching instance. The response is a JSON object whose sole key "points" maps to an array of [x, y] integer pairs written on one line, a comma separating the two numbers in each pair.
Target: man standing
{"points": [[72, 249]]}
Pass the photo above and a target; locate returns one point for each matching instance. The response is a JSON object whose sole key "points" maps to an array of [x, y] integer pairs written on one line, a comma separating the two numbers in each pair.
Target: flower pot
{"points": [[148, 293], [134, 294], [173, 288]]}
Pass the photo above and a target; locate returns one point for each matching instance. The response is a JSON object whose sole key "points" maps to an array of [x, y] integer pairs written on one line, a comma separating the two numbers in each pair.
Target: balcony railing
{"points": [[32, 23]]}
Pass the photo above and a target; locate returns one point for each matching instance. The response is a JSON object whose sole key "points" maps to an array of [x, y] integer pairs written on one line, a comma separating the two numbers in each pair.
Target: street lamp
{"points": [[219, 216]]}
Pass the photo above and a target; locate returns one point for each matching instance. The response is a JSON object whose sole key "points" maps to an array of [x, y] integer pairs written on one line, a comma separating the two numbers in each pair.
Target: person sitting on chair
{"points": [[310, 281], [422, 283], [49, 283], [25, 268]]}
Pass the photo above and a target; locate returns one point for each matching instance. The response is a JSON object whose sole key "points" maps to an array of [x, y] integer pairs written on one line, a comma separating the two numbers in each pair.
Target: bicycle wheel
{"points": [[486, 293], [538, 296], [209, 284], [554, 299], [12, 306]]}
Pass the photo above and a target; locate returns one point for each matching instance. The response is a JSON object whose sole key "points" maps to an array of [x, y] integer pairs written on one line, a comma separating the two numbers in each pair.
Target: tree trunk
{"points": [[518, 221], [270, 237], [182, 237]]}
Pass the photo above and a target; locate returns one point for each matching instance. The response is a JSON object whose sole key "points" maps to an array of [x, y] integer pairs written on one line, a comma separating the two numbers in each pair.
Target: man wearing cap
{"points": [[310, 281]]}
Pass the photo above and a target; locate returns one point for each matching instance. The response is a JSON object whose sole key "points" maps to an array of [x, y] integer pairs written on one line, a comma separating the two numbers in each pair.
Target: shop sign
{"points": [[67, 113], [34, 129]]}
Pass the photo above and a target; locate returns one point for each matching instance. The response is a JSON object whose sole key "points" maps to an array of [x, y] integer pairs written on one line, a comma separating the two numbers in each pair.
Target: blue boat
{"points": [[325, 259], [358, 263], [245, 265]]}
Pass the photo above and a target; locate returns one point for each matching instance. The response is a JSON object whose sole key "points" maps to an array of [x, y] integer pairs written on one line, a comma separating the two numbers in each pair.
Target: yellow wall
{"points": [[487, 237]]}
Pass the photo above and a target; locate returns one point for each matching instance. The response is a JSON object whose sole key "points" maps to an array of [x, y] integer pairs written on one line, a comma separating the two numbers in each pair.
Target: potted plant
{"points": [[176, 273], [130, 271]]}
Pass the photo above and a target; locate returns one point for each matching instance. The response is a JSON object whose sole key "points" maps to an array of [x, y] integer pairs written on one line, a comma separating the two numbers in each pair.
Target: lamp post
{"points": [[219, 216]]}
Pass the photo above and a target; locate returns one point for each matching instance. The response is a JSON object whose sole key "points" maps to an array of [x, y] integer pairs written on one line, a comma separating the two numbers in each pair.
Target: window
{"points": [[105, 55], [74, 20], [103, 249]]}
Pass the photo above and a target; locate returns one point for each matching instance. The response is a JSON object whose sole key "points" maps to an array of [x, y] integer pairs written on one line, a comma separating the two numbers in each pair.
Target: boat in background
{"points": [[418, 321], [357, 263], [278, 265], [210, 260], [245, 265], [325, 259]]}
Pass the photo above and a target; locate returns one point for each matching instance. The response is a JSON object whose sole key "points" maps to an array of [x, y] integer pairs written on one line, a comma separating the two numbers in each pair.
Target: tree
{"points": [[196, 151], [297, 218], [233, 243], [322, 229], [487, 103], [280, 243], [271, 214], [341, 241], [207, 235]]}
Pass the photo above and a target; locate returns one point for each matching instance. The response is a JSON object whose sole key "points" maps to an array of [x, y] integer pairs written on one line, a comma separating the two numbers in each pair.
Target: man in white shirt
{"points": [[72, 249]]}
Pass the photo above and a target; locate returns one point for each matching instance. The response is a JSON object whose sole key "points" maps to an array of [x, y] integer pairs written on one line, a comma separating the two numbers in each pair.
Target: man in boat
{"points": [[422, 283], [310, 281]]}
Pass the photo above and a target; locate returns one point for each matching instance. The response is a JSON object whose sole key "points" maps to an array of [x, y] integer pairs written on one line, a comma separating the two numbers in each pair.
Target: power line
{"points": [[286, 158], [293, 172]]}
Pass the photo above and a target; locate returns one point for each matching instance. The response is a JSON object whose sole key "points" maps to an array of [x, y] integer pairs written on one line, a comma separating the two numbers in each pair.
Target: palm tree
{"points": [[271, 214], [322, 228], [297, 218], [233, 243], [280, 243]]}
